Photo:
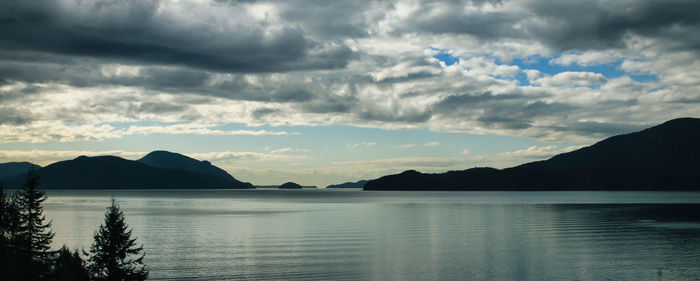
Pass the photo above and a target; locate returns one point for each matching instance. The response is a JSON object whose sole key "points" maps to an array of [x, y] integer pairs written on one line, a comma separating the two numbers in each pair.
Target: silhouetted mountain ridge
{"points": [[11, 169], [664, 157], [112, 172], [170, 160], [357, 184]]}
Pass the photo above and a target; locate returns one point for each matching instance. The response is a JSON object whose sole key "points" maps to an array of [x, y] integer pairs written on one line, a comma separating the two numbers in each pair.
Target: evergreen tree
{"points": [[9, 220], [33, 236], [7, 215], [114, 255], [69, 266]]}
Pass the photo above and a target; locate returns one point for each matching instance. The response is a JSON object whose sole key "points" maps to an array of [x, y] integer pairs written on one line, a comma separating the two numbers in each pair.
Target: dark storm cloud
{"points": [[132, 31], [598, 24], [139, 32], [565, 25]]}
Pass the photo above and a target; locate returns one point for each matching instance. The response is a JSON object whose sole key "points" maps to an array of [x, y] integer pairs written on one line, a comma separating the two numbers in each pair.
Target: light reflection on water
{"points": [[357, 235]]}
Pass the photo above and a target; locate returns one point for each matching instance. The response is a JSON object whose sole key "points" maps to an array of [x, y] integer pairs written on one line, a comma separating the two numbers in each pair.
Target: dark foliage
{"points": [[69, 266], [25, 242], [663, 157], [9, 221], [114, 255], [31, 241]]}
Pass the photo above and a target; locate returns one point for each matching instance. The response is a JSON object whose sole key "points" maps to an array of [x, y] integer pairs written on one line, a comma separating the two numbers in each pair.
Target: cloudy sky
{"points": [[321, 92]]}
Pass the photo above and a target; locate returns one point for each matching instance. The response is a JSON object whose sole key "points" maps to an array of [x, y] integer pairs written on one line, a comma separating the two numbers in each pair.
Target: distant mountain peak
{"points": [[171, 160]]}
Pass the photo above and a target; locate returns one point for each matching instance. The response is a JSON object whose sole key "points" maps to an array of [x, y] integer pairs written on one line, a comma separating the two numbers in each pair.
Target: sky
{"points": [[323, 92]]}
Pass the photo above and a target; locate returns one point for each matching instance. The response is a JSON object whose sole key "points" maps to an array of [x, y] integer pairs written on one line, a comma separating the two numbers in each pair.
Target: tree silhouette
{"points": [[9, 220], [114, 255], [69, 266], [33, 237]]}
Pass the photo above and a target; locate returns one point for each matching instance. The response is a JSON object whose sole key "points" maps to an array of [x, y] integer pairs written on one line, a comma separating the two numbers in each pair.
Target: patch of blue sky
{"points": [[445, 57], [644, 77], [542, 64]]}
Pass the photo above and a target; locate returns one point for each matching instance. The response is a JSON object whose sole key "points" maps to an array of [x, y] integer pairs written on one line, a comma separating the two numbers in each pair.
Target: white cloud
{"points": [[198, 129], [403, 70], [588, 58], [44, 131], [572, 79], [431, 144], [429, 163], [404, 146], [538, 152], [281, 150], [233, 157], [362, 145]]}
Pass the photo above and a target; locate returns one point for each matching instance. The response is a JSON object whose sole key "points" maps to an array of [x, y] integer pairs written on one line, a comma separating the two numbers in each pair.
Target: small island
{"points": [[290, 185]]}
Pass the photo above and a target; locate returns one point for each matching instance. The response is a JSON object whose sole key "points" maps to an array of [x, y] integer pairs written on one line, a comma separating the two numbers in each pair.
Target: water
{"points": [[363, 235]]}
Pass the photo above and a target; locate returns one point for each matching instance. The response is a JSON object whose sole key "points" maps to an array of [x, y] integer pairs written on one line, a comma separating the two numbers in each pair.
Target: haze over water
{"points": [[353, 235]]}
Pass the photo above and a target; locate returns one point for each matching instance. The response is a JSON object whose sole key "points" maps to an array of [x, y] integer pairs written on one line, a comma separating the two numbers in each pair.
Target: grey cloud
{"points": [[563, 25], [454, 17], [504, 111], [600, 24], [600, 128], [327, 19], [9, 116], [130, 31], [331, 105], [160, 107], [262, 112], [393, 116]]}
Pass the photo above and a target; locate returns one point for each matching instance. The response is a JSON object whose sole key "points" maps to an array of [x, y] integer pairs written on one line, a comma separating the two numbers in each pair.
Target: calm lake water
{"points": [[375, 235]]}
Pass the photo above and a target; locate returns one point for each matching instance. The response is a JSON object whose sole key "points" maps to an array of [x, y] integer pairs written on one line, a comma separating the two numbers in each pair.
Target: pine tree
{"points": [[9, 220], [114, 255], [7, 216], [33, 237]]}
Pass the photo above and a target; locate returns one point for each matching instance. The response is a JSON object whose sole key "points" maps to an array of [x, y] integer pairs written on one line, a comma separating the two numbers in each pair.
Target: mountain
{"points": [[277, 186], [11, 169], [171, 160], [290, 185], [664, 157], [111, 172], [357, 184]]}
